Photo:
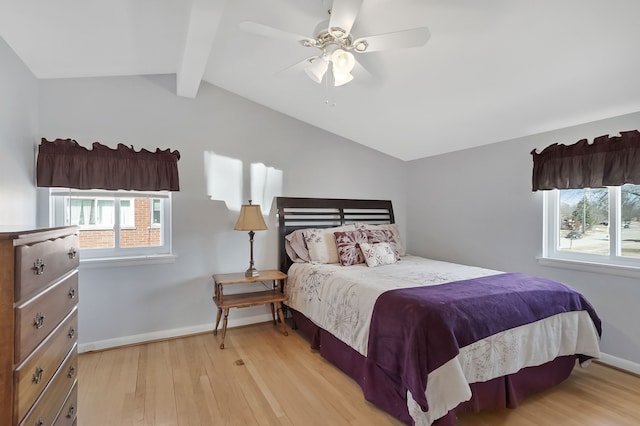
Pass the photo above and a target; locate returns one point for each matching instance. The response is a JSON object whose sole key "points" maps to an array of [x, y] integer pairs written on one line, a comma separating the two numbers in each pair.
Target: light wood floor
{"points": [[265, 378]]}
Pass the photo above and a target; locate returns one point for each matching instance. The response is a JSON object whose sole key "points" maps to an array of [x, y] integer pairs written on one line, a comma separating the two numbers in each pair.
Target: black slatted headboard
{"points": [[300, 213]]}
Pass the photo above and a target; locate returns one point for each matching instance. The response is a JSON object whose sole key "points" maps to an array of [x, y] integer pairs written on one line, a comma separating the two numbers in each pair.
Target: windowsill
{"points": [[595, 267], [110, 262]]}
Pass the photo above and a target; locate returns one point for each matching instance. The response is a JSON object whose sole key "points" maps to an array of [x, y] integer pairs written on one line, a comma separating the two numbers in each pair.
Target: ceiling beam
{"points": [[202, 26]]}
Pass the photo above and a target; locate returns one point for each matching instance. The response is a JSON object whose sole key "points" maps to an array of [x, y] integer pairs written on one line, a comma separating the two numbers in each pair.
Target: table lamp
{"points": [[250, 220]]}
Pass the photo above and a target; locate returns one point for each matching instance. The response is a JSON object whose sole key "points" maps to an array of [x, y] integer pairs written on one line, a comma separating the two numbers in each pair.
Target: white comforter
{"points": [[341, 299]]}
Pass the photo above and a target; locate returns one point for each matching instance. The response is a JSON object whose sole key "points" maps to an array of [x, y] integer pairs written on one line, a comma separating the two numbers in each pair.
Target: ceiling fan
{"points": [[337, 45]]}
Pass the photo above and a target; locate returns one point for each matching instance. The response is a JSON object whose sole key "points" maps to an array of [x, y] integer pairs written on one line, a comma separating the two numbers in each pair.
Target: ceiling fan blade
{"points": [[415, 37], [361, 71], [271, 32], [343, 14]]}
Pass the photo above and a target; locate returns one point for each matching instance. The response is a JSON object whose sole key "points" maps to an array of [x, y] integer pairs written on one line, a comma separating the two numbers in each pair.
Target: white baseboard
{"points": [[167, 334], [620, 363]]}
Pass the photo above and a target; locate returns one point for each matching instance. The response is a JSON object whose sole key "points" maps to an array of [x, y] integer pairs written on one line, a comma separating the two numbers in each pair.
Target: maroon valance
{"points": [[64, 163], [608, 161]]}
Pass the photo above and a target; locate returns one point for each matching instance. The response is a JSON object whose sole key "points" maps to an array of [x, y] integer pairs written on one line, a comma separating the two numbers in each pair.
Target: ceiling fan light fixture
{"points": [[317, 69], [343, 61]]}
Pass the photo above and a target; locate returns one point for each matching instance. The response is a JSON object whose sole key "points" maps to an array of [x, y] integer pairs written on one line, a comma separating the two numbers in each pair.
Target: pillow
{"points": [[295, 247], [322, 243], [392, 234], [382, 236], [376, 254], [348, 245]]}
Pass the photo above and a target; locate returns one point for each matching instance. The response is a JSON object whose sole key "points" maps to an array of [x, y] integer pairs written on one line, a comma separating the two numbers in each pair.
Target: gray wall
{"points": [[476, 207], [120, 302], [18, 128]]}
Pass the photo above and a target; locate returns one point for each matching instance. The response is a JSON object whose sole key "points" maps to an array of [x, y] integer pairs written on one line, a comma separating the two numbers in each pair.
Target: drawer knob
{"points": [[37, 376], [72, 372], [72, 293], [72, 412], [39, 422], [72, 332], [38, 320], [72, 253], [38, 266]]}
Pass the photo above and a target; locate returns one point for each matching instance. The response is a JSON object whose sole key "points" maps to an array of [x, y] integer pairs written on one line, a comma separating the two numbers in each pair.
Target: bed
{"points": [[424, 339]]}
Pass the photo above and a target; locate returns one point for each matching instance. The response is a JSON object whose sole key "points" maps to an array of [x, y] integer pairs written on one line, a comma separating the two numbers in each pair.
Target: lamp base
{"points": [[252, 272]]}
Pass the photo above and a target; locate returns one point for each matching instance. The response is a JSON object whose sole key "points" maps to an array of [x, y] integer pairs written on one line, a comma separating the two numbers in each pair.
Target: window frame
{"points": [[57, 218], [551, 234]]}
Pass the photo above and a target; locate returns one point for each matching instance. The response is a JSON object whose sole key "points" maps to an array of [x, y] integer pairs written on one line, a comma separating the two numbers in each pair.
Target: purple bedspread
{"points": [[436, 321]]}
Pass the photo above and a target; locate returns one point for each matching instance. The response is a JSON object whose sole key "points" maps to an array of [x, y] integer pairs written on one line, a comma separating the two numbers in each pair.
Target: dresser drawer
{"points": [[32, 376], [48, 406], [39, 264], [36, 319], [69, 412]]}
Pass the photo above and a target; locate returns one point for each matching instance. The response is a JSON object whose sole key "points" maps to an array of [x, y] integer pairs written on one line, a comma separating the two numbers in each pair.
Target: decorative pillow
{"points": [[392, 234], [295, 247], [376, 254], [322, 243], [382, 236], [348, 245]]}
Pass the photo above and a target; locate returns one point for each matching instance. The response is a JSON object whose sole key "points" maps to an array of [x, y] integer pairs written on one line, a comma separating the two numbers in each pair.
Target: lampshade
{"points": [[340, 78], [317, 69], [250, 218], [343, 61]]}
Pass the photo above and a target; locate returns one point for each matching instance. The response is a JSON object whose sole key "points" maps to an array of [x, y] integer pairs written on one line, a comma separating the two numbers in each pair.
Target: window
{"points": [[115, 224], [600, 225]]}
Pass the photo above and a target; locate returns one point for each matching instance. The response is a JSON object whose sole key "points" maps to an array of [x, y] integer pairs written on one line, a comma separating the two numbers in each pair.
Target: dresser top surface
{"points": [[12, 232]]}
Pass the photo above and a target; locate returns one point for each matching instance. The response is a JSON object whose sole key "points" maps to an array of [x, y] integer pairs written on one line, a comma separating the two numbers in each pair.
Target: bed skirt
{"points": [[382, 391]]}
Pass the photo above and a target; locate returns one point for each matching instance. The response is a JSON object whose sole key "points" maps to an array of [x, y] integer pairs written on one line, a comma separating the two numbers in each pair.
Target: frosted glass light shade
{"points": [[317, 69], [340, 78], [343, 61]]}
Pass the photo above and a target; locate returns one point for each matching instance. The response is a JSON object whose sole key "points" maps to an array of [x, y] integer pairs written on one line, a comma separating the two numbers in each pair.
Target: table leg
{"points": [[224, 327], [215, 330], [281, 316], [273, 313]]}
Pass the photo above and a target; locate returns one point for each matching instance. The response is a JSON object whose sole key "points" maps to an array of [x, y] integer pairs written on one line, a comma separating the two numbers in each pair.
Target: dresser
{"points": [[38, 326]]}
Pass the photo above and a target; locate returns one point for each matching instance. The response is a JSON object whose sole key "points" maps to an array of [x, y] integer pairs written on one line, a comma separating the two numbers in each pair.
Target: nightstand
{"points": [[274, 295]]}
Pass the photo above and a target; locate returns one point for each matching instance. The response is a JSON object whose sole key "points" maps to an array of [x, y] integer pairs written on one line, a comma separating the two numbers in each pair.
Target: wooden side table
{"points": [[275, 295]]}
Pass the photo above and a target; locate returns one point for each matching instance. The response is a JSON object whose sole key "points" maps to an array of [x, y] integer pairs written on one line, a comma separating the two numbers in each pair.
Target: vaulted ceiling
{"points": [[492, 70]]}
